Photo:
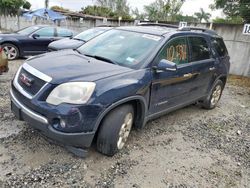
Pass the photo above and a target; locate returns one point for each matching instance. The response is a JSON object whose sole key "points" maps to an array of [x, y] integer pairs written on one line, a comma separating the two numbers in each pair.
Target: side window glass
{"points": [[176, 51], [220, 47], [199, 48], [61, 32], [46, 32]]}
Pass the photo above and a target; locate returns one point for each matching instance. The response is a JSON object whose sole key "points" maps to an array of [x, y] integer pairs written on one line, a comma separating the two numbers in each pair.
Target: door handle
{"points": [[212, 68]]}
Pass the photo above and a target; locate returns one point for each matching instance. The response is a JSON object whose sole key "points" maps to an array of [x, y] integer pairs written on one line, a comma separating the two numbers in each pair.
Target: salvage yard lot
{"points": [[191, 147]]}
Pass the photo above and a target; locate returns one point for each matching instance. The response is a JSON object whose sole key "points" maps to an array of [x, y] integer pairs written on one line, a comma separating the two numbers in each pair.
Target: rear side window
{"points": [[220, 47], [175, 51], [199, 49], [61, 32], [46, 32]]}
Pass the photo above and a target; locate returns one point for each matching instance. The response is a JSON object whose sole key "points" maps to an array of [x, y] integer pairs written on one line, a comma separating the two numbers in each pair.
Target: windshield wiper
{"points": [[102, 58], [79, 39]]}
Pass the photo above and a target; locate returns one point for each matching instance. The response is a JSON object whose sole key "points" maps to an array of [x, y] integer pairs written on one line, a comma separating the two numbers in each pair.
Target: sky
{"points": [[188, 8]]}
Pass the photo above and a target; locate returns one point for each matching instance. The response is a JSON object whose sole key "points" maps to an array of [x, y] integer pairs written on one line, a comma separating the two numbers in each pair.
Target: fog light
{"points": [[62, 123]]}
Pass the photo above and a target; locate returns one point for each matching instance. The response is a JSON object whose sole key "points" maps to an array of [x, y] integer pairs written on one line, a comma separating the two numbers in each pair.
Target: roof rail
{"points": [[209, 31], [158, 24]]}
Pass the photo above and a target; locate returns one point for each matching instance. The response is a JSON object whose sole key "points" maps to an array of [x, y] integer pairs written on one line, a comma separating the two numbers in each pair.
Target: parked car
{"points": [[31, 40], [119, 80], [78, 40], [3, 62]]}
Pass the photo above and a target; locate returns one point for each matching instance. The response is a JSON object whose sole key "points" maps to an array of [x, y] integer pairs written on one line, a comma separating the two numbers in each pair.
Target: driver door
{"points": [[38, 42], [172, 88]]}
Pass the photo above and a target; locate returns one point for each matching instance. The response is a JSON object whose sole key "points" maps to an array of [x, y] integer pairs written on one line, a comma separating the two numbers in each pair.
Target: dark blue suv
{"points": [[118, 81]]}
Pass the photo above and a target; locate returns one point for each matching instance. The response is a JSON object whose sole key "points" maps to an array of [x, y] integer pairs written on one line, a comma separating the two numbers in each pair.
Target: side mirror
{"points": [[35, 36], [165, 65]]}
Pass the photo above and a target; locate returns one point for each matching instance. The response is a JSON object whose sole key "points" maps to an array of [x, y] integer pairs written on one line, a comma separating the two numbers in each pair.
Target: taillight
{"points": [[1, 49]]}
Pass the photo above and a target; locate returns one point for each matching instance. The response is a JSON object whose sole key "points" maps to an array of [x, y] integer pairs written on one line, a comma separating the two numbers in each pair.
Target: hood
{"points": [[68, 65], [66, 44]]}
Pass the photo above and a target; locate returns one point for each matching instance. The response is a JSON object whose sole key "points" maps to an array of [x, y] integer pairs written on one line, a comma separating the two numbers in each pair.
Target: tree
{"points": [[233, 8], [98, 11], [202, 15], [163, 10], [136, 14], [118, 7], [46, 3], [58, 8], [13, 7]]}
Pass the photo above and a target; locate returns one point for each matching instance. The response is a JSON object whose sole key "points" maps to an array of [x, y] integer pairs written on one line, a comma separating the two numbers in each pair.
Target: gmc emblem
{"points": [[26, 80]]}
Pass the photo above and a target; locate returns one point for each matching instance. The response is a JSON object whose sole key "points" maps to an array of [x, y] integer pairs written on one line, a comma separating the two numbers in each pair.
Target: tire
{"points": [[212, 100], [115, 129], [11, 51]]}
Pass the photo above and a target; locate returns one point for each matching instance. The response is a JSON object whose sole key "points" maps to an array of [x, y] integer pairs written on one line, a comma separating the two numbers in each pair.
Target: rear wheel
{"points": [[214, 97], [11, 51], [115, 129]]}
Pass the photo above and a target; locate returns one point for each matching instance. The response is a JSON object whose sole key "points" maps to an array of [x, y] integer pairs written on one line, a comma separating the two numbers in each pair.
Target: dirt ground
{"points": [[191, 147]]}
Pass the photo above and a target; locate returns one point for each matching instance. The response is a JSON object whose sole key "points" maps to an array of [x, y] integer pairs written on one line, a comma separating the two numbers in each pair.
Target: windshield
{"points": [[28, 30], [125, 48], [90, 33]]}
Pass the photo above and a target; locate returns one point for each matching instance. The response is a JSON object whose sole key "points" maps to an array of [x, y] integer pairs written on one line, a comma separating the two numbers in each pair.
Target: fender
{"points": [[142, 119]]}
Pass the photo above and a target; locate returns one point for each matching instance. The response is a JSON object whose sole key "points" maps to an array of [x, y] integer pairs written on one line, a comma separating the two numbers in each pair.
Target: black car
{"points": [[78, 40], [31, 40], [119, 80]]}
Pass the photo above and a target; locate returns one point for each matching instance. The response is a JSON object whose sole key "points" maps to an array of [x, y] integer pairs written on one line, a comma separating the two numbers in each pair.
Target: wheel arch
{"points": [[140, 108]]}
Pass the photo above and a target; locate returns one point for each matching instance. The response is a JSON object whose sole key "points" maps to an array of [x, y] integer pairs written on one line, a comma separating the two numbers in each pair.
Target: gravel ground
{"points": [[191, 147]]}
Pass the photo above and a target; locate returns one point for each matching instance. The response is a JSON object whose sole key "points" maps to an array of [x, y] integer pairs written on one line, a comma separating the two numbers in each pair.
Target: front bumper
{"points": [[37, 121]]}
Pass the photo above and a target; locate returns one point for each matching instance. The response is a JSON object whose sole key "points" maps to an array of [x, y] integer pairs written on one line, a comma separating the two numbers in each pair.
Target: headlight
{"points": [[1, 38], [72, 93]]}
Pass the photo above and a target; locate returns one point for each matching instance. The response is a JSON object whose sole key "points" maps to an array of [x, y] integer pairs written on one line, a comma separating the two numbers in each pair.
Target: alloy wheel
{"points": [[125, 130], [10, 51], [216, 95]]}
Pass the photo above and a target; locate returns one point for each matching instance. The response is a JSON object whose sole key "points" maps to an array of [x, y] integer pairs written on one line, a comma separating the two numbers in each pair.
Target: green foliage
{"points": [[137, 15], [103, 12], [163, 10], [98, 11], [233, 20], [58, 8], [202, 15], [118, 7], [179, 18], [13, 6], [234, 8]]}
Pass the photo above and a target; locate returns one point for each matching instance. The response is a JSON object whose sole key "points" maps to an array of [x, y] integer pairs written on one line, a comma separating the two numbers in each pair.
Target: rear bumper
{"points": [[37, 121]]}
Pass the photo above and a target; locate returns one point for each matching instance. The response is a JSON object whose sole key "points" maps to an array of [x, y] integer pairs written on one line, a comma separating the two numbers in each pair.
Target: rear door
{"points": [[172, 88], [203, 64]]}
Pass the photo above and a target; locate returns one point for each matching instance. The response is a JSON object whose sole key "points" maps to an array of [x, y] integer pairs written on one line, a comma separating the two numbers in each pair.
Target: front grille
{"points": [[35, 83]]}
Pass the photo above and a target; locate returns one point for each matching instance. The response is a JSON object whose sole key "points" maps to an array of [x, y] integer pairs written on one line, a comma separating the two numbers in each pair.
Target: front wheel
{"points": [[212, 101], [115, 129]]}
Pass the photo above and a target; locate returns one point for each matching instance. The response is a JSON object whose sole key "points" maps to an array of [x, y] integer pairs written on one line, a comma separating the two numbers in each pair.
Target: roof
{"points": [[153, 30], [163, 29]]}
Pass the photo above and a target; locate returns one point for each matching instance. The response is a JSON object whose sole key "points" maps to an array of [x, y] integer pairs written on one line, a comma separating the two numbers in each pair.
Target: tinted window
{"points": [[175, 51], [220, 47], [61, 32], [199, 48], [46, 32]]}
